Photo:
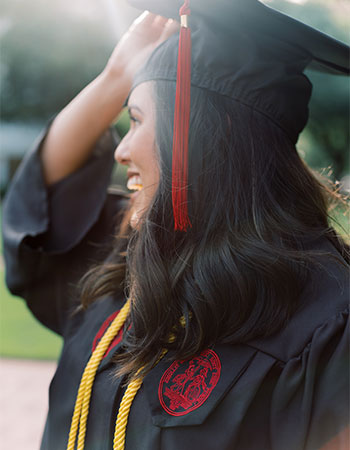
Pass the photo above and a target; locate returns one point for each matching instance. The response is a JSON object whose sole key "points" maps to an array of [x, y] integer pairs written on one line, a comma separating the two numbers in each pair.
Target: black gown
{"points": [[289, 391]]}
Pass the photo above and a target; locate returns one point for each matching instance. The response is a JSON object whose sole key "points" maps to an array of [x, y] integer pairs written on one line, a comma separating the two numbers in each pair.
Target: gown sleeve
{"points": [[53, 234], [303, 403], [310, 403]]}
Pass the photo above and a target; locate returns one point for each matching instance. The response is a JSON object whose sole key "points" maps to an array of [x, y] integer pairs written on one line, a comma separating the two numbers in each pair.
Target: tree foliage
{"points": [[325, 141], [48, 55]]}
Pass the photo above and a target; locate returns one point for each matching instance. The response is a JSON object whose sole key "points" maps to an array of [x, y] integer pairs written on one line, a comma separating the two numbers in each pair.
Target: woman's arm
{"points": [[75, 130], [77, 127]]}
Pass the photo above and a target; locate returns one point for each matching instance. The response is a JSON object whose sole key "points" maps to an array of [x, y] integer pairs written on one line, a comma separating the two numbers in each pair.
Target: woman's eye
{"points": [[134, 120]]}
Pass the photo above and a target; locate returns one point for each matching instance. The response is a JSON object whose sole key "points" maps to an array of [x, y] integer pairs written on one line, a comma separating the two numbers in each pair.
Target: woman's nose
{"points": [[121, 154]]}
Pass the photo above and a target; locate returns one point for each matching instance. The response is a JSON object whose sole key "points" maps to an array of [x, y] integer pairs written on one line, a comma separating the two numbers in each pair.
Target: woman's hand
{"points": [[136, 45], [77, 127]]}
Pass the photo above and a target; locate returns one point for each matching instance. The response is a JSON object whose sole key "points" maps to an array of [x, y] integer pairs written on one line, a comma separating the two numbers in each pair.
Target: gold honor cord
{"points": [[123, 413], [125, 405], [81, 408], [82, 403]]}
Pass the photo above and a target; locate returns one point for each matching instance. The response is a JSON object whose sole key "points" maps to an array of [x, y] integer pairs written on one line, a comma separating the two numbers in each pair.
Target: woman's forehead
{"points": [[141, 96]]}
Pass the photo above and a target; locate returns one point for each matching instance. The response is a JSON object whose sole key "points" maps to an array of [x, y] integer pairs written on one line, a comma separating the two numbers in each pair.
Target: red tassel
{"points": [[181, 127]]}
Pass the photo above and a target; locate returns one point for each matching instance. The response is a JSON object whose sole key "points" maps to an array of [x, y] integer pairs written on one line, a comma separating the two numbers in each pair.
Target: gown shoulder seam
{"points": [[306, 346]]}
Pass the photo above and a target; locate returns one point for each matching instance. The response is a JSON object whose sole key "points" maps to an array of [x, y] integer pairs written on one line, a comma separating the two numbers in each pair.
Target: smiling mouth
{"points": [[134, 183]]}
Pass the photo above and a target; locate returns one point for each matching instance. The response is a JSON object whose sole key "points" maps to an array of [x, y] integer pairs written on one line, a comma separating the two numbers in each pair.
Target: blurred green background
{"points": [[51, 50]]}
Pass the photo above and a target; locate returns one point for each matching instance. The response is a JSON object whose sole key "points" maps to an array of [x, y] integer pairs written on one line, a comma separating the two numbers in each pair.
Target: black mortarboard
{"points": [[242, 49]]}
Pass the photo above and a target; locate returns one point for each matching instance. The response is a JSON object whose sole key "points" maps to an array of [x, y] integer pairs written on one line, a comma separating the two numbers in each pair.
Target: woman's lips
{"points": [[134, 184]]}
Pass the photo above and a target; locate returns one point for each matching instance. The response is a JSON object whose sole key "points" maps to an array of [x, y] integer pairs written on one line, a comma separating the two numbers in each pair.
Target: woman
{"points": [[234, 334]]}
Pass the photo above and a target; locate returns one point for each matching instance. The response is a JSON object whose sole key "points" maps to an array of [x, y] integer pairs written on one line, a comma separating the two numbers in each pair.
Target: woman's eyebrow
{"points": [[130, 107]]}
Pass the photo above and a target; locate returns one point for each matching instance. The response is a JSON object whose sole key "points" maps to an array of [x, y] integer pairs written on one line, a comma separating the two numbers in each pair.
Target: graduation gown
{"points": [[285, 392]]}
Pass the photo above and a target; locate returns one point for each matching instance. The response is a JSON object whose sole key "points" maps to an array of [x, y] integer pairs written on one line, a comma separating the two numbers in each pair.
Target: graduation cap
{"points": [[242, 49]]}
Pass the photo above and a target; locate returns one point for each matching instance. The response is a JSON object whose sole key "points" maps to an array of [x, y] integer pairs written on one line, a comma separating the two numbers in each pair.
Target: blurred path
{"points": [[23, 402]]}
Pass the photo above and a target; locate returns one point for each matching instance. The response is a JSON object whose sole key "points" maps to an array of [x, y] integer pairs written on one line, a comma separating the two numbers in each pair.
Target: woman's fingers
{"points": [[165, 26], [171, 27], [160, 21], [148, 27], [145, 34], [153, 24], [148, 20], [144, 19]]}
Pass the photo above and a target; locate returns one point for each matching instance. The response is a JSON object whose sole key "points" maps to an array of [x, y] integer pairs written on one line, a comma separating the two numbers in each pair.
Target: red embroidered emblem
{"points": [[186, 385], [102, 331]]}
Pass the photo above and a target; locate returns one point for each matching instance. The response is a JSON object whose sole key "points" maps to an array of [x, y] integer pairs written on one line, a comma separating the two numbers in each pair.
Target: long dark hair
{"points": [[257, 213]]}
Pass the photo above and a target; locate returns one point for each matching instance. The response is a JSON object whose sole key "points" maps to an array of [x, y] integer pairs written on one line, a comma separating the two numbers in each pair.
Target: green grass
{"points": [[21, 335]]}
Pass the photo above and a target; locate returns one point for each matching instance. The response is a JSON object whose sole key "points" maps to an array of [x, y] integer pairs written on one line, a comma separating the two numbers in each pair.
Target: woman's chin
{"points": [[136, 215], [134, 219], [134, 196], [140, 202]]}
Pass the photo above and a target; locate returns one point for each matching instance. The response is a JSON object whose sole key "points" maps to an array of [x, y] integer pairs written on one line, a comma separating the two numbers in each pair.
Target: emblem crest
{"points": [[186, 385]]}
